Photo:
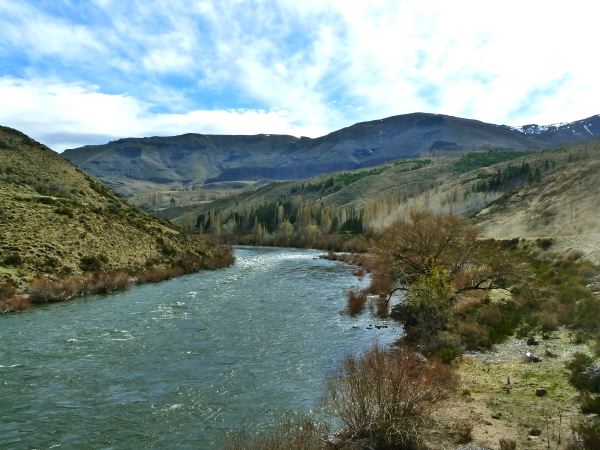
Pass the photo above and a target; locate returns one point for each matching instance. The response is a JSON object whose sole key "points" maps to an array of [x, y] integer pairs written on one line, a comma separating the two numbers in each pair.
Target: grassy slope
{"points": [[52, 214], [565, 207]]}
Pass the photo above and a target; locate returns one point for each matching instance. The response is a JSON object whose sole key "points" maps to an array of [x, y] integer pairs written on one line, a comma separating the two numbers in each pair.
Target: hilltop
{"points": [[56, 220], [206, 165]]}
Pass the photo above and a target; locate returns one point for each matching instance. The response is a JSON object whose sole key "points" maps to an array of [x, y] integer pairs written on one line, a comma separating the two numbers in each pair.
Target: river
{"points": [[179, 363]]}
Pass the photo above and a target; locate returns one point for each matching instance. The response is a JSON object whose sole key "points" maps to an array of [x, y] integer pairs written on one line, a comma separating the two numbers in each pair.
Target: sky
{"points": [[75, 72]]}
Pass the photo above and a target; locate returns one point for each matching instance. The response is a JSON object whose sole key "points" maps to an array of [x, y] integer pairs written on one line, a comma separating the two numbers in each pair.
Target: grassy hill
{"points": [[56, 220]]}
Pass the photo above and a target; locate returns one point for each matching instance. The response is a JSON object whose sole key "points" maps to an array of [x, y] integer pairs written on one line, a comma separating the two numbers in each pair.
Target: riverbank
{"points": [[58, 289]]}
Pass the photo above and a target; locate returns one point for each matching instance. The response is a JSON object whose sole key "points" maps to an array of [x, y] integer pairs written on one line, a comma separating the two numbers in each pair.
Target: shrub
{"points": [[7, 290], [386, 397], [588, 433], [298, 434], [589, 404], [43, 290], [158, 274], [13, 259], [105, 283], [507, 444], [92, 263], [356, 301], [585, 375]]}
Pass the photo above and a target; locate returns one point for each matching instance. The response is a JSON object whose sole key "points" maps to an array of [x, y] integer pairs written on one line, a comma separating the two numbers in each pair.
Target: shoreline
{"points": [[42, 290]]}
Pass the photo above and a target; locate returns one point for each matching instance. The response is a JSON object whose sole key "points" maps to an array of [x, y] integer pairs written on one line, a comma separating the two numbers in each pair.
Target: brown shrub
{"points": [[16, 303], [219, 257], [507, 444], [7, 290], [380, 284], [474, 335], [44, 290], [359, 272], [105, 283], [158, 274], [298, 434], [356, 301], [386, 396]]}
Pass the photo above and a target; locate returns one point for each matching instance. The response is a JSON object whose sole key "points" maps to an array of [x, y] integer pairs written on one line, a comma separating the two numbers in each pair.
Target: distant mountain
{"points": [[564, 133], [138, 165], [56, 220]]}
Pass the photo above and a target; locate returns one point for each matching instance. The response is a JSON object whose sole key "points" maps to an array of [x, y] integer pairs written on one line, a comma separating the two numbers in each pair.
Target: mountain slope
{"points": [[133, 166], [564, 208], [57, 220]]}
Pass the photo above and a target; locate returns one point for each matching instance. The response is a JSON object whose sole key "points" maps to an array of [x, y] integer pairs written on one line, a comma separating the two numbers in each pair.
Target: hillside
{"points": [[367, 200], [136, 166], [56, 220], [565, 208]]}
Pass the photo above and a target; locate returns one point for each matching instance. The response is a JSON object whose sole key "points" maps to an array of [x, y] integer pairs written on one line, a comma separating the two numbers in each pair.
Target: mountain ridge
{"points": [[140, 165]]}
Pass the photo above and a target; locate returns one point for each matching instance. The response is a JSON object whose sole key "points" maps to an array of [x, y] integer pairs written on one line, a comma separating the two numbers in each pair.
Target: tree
{"points": [[434, 258]]}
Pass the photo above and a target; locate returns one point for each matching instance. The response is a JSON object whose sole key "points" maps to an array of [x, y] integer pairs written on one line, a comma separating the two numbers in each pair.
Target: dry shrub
{"points": [[507, 444], [474, 335], [386, 396], [44, 290], [380, 284], [16, 303], [298, 434], [356, 301], [7, 290], [359, 272], [219, 257], [105, 283], [381, 305]]}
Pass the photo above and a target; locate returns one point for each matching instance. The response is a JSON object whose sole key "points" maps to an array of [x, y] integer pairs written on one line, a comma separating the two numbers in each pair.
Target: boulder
{"points": [[540, 392], [533, 358], [532, 340], [535, 432]]}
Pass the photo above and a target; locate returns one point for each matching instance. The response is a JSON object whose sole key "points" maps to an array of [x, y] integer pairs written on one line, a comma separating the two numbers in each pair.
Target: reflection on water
{"points": [[178, 364]]}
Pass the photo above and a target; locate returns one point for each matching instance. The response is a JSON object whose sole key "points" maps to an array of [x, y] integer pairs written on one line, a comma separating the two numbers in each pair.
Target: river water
{"points": [[179, 363]]}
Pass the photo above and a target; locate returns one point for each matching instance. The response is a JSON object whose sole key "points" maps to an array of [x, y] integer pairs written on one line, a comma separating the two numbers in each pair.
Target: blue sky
{"points": [[81, 72]]}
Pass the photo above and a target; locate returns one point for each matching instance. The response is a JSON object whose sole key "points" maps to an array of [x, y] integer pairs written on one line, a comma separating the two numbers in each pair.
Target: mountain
{"points": [[564, 133], [139, 165], [56, 220]]}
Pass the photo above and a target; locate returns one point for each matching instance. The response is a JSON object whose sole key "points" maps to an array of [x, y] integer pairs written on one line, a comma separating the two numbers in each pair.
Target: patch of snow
{"points": [[588, 130]]}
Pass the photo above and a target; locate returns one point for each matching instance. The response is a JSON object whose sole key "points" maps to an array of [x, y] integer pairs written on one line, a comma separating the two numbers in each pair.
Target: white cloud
{"points": [[298, 67], [71, 115]]}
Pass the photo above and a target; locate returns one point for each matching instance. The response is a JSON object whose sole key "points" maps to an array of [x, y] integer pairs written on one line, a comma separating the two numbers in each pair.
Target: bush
{"points": [[92, 263], [13, 259], [585, 374], [43, 290], [590, 404], [7, 290], [356, 301], [105, 283], [298, 434], [158, 274], [507, 444], [386, 397], [588, 434]]}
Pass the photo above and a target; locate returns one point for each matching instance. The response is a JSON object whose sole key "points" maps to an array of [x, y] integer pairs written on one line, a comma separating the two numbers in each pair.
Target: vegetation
{"points": [[63, 233], [382, 398]]}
